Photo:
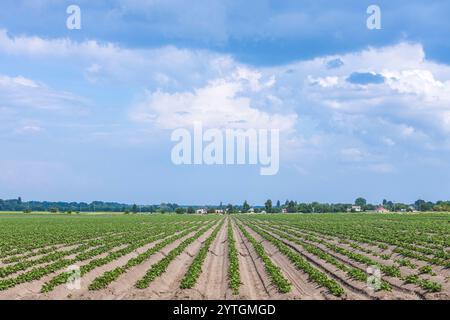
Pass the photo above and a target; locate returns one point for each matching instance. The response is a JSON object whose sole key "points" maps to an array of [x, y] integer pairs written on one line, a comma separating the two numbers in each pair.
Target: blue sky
{"points": [[87, 114]]}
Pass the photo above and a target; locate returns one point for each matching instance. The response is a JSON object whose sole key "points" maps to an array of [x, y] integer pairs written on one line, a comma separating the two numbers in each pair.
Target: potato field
{"points": [[252, 256]]}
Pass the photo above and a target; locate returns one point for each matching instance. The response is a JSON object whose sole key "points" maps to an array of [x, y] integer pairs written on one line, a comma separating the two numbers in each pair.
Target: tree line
{"points": [[95, 206], [288, 206]]}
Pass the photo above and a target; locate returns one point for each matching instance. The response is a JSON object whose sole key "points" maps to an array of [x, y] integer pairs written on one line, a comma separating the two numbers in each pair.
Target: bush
{"points": [[180, 211]]}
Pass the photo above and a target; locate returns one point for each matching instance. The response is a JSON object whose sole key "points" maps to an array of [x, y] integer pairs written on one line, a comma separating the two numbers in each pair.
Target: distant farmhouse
{"points": [[381, 209], [205, 211], [354, 209]]}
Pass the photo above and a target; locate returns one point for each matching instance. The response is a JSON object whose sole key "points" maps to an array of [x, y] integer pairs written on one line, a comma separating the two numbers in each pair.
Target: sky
{"points": [[88, 114]]}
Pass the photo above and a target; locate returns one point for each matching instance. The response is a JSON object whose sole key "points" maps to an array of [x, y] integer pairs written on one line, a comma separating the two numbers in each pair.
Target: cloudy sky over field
{"points": [[87, 114]]}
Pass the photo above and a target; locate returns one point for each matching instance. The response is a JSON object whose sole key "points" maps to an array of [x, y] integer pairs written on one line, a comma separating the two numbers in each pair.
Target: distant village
{"points": [[353, 208], [289, 206], [360, 205]]}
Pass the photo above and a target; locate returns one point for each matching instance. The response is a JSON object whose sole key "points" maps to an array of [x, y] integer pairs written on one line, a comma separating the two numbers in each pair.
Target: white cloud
{"points": [[324, 82], [412, 105], [222, 103], [19, 81], [410, 109], [28, 127], [415, 93], [105, 62], [20, 92]]}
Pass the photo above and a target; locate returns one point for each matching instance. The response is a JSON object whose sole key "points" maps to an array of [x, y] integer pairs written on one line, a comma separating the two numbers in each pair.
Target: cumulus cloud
{"points": [[376, 107], [377, 98], [165, 66], [418, 82], [324, 82], [222, 103], [396, 83]]}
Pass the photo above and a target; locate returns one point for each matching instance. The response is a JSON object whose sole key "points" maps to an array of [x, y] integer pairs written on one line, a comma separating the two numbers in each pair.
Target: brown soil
{"points": [[255, 283], [213, 281], [164, 287], [302, 288], [398, 292]]}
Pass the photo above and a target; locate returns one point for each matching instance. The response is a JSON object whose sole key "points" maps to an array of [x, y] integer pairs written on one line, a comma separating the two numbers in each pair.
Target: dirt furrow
{"points": [[302, 287], [61, 292], [256, 283], [32, 290], [398, 292], [167, 286], [213, 281], [164, 287]]}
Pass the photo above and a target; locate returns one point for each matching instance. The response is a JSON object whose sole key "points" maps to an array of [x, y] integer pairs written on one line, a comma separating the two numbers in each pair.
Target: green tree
{"points": [[428, 206], [268, 206], [420, 205], [390, 206], [180, 210], [134, 209], [361, 202], [190, 210], [245, 206], [304, 208], [291, 207]]}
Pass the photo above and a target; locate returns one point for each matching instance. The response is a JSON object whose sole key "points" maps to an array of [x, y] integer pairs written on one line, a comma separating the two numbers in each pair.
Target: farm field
{"points": [[284, 256]]}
